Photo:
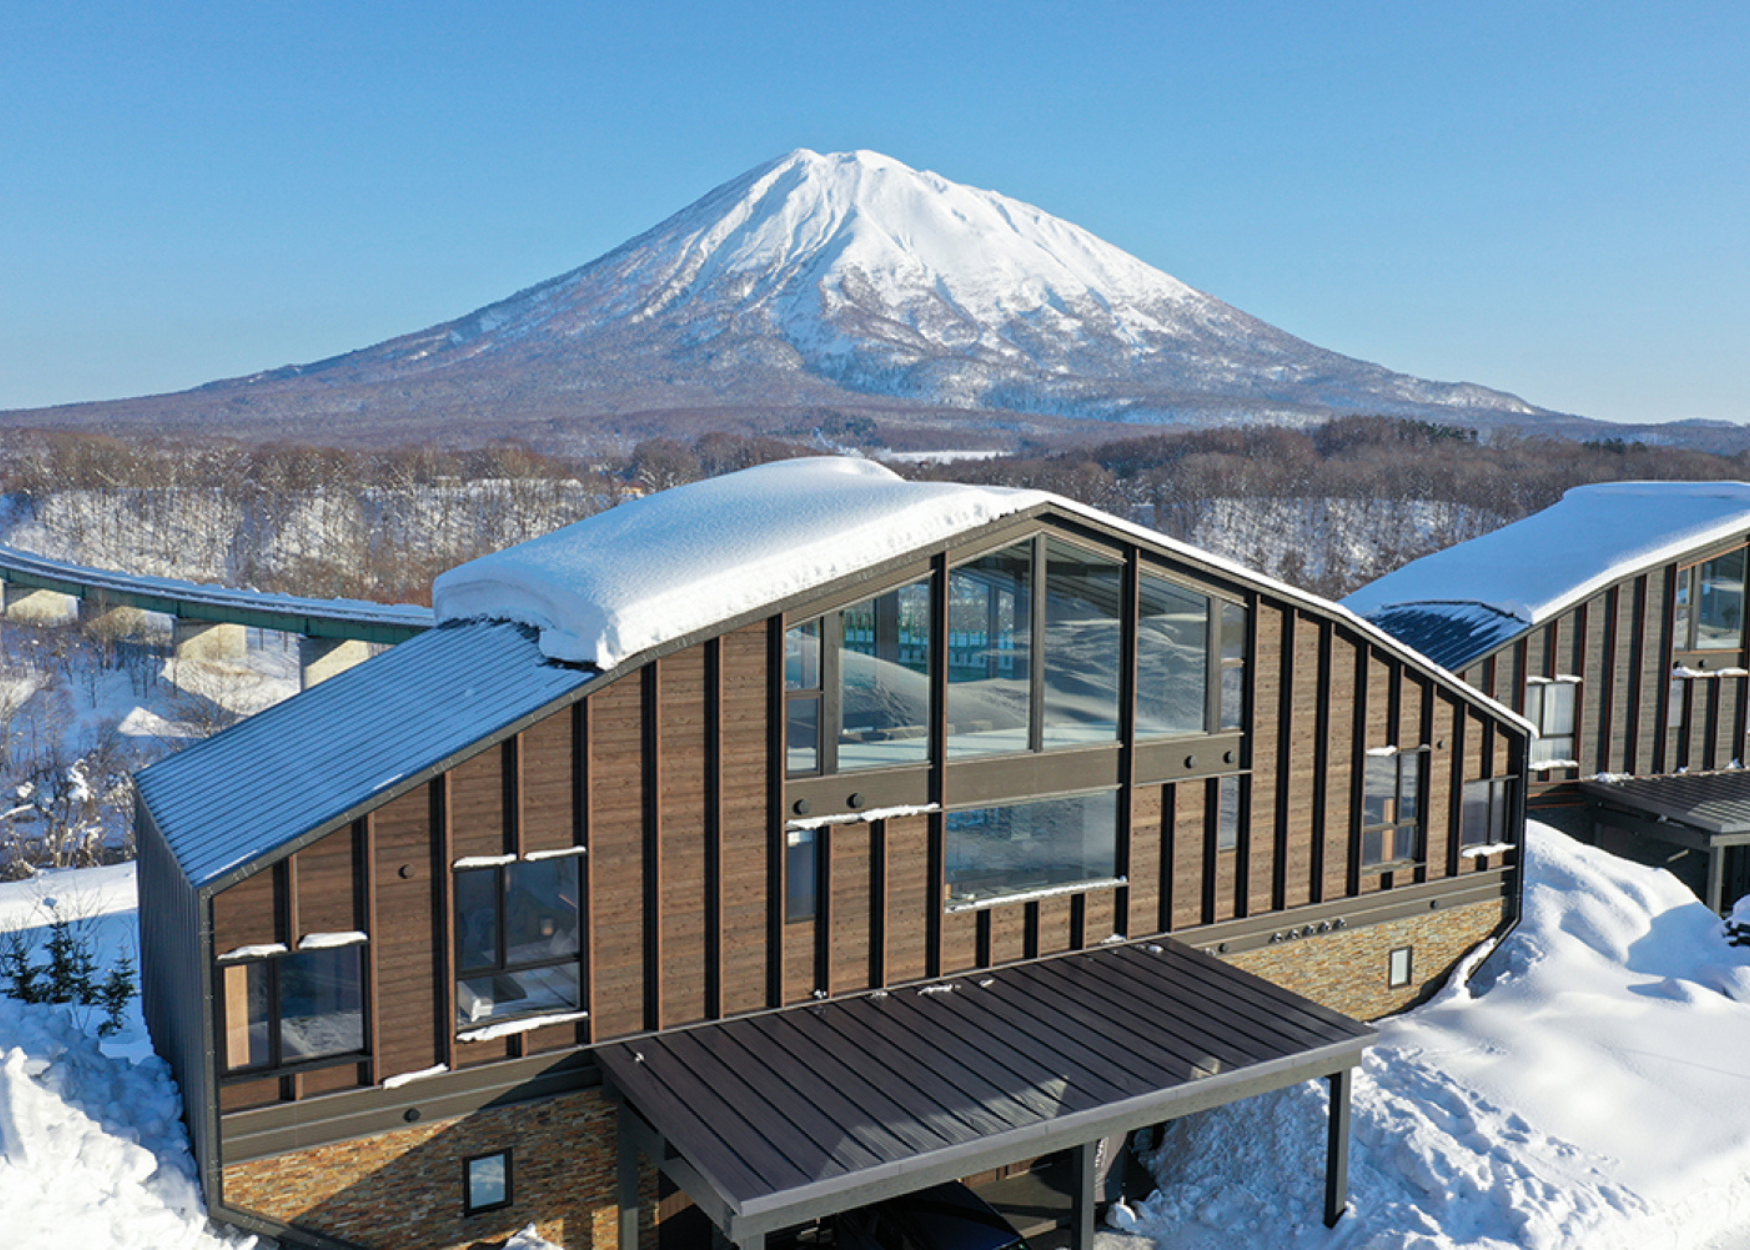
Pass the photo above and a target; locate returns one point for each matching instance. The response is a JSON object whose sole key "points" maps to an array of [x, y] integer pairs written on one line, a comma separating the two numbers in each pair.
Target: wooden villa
{"points": [[1614, 622], [797, 839]]}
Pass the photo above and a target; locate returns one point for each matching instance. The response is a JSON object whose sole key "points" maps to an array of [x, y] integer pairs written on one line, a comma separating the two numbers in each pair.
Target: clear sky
{"points": [[1548, 198]]}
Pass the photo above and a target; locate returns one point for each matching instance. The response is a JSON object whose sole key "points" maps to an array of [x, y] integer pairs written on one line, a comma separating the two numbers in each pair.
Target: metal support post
{"points": [[1337, 1148]]}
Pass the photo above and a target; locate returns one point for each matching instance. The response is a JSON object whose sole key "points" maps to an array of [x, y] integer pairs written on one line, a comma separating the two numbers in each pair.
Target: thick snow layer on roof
{"points": [[661, 567], [1544, 564]]}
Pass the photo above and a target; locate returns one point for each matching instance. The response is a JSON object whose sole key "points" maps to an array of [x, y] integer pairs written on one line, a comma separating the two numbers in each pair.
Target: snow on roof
{"points": [[1544, 564], [659, 568]]}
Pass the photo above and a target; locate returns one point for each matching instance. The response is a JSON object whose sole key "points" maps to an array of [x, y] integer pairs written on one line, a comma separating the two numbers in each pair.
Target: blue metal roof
{"points": [[307, 762], [1453, 635]]}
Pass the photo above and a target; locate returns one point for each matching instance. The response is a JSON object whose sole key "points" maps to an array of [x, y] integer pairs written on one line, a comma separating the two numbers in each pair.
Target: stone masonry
{"points": [[1347, 970], [404, 1189]]}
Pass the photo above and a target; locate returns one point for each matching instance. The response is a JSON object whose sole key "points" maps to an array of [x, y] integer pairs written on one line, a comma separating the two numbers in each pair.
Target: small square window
{"points": [[486, 1182], [1401, 968]]}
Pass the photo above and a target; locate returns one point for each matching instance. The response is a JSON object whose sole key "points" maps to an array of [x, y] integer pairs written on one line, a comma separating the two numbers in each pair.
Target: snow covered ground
{"points": [[1588, 1087]]}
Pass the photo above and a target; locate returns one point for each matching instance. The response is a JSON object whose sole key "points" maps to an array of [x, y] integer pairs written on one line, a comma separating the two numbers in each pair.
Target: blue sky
{"points": [[1549, 198]]}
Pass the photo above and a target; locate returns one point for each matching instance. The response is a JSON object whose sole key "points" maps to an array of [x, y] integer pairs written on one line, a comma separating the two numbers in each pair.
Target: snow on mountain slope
{"points": [[855, 271]]}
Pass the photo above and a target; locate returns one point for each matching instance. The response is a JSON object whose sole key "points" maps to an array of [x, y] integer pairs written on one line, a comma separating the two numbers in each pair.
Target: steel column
{"points": [[1337, 1148]]}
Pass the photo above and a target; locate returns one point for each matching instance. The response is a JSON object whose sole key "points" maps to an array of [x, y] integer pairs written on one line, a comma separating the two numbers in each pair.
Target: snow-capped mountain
{"points": [[853, 283]]}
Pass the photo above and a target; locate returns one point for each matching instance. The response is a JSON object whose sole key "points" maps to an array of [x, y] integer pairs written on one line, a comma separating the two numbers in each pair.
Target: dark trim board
{"points": [[773, 1120]]}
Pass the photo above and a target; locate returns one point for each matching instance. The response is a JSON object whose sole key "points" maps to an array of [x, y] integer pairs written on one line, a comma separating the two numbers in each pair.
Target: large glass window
{"points": [[1233, 666], [1708, 614], [1550, 706], [1084, 597], [990, 609], [884, 680], [1172, 660], [801, 875], [516, 940], [292, 1007], [802, 697], [1391, 808], [1486, 805], [1023, 848]]}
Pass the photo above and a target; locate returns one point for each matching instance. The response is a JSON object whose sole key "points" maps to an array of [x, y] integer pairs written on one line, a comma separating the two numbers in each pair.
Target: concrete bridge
{"points": [[209, 622]]}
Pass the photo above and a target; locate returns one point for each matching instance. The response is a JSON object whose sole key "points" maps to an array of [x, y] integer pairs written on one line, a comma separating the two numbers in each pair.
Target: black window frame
{"points": [[276, 1062], [468, 1205], [503, 965], [802, 875], [1396, 824], [1501, 796], [1687, 599]]}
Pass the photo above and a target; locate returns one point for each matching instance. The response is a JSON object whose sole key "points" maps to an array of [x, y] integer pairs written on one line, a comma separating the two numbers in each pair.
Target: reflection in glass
{"points": [[1719, 610], [1084, 593], [989, 651], [1227, 814], [516, 939], [1172, 660], [884, 680], [802, 736], [477, 918], [523, 991], [801, 874], [488, 1182], [1233, 666], [321, 1003], [1026, 847], [246, 1015], [540, 910], [802, 657]]}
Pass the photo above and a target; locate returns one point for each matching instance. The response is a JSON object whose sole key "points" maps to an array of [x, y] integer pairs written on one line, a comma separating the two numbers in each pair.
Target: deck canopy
{"points": [[1704, 812], [766, 1121]]}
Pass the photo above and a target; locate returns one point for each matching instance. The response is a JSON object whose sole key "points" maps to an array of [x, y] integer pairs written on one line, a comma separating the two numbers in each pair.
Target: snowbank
{"points": [[660, 567], [1589, 1087]]}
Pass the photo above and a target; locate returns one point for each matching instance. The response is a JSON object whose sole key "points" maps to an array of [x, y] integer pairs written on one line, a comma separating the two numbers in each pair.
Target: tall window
{"points": [[516, 940], [802, 696], [990, 634], [1486, 808], [293, 1007], [1022, 848], [1227, 814], [1084, 595], [1172, 660], [1391, 808], [1549, 705], [1233, 666], [1708, 614]]}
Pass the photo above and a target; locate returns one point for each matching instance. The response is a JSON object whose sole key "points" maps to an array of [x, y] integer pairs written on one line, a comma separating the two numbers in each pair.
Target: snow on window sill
{"points": [[407, 1078], [1028, 896], [327, 941], [866, 817], [259, 951], [509, 1027], [1544, 765], [1478, 852]]}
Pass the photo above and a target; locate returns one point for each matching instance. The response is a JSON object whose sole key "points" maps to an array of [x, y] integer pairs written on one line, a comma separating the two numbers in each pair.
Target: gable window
{"points": [[1708, 613], [1549, 705], [990, 653], [1486, 806], [486, 1182], [1084, 593], [1031, 848], [1391, 807], [516, 939], [857, 685], [292, 1007], [1172, 660]]}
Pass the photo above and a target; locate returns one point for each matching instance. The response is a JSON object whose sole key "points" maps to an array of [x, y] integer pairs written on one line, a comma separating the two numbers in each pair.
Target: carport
{"points": [[771, 1120]]}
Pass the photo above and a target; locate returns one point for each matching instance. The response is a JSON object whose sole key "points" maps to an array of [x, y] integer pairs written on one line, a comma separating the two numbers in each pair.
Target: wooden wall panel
{"points": [[1593, 666], [328, 881], [1538, 651], [1654, 675], [1259, 835], [1188, 857], [746, 808], [1145, 862], [478, 824], [959, 942], [1055, 917], [683, 760], [549, 808], [1099, 917], [616, 854], [1444, 715], [800, 976], [1008, 933], [1342, 766], [1306, 759], [407, 961], [1624, 674], [245, 914], [909, 898], [850, 944]]}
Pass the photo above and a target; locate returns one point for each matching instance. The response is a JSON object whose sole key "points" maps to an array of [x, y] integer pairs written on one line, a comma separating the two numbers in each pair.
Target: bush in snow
{"points": [[69, 975], [1738, 924]]}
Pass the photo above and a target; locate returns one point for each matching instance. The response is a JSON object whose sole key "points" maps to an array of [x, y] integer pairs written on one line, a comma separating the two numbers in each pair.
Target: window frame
{"points": [[276, 1062], [981, 901], [1497, 809], [1392, 980], [1538, 689], [468, 1205], [1396, 825], [1687, 629], [504, 965]]}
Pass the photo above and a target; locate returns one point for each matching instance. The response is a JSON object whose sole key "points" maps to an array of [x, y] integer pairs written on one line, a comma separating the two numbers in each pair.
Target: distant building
{"points": [[788, 841], [1614, 621]]}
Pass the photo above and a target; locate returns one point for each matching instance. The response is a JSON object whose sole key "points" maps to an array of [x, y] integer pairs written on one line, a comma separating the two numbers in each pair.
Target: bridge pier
{"points": [[46, 607], [114, 623], [321, 658], [209, 640]]}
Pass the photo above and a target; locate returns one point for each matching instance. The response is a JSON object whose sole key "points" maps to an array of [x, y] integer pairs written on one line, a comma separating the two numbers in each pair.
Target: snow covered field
{"points": [[1589, 1087]]}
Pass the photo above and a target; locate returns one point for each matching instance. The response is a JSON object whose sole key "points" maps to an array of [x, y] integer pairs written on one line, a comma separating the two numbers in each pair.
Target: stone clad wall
{"points": [[1347, 970], [403, 1189]]}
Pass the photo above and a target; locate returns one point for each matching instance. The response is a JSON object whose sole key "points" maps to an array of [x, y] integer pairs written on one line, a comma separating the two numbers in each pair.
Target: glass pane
{"points": [[1534, 702], [1558, 707], [1379, 790], [525, 991], [488, 1182], [884, 680], [1500, 794], [802, 657], [1172, 660], [993, 851], [803, 735], [477, 918], [800, 874], [1227, 814], [1409, 786], [246, 1015], [1680, 615], [1476, 814], [1233, 665], [540, 910], [1084, 593], [989, 614], [320, 1003], [1373, 846], [1719, 614]]}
